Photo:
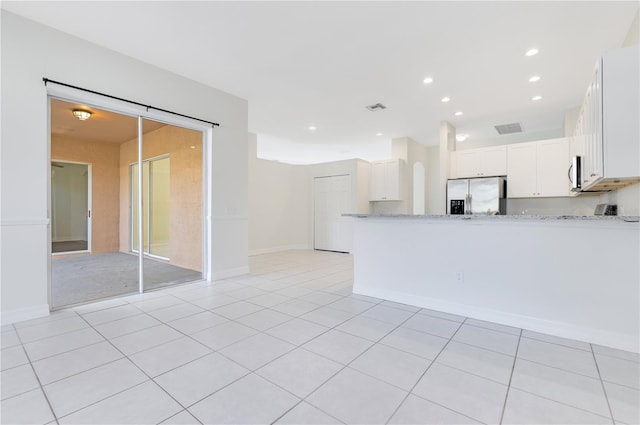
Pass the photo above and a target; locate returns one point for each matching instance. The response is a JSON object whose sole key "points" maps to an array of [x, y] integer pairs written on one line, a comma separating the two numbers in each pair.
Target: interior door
{"points": [[332, 198]]}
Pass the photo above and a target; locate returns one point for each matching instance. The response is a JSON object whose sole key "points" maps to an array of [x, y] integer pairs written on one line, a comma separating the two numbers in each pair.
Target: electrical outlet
{"points": [[460, 277]]}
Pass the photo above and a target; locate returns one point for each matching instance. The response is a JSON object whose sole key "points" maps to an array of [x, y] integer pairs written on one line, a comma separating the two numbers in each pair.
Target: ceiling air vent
{"points": [[515, 127], [376, 107]]}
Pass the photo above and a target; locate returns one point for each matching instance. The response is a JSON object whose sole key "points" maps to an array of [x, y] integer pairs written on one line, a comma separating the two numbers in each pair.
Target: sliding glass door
{"points": [[172, 194], [126, 204]]}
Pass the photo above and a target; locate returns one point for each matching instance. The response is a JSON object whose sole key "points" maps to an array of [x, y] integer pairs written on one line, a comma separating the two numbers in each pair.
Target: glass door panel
{"points": [[172, 204], [158, 207], [90, 201]]}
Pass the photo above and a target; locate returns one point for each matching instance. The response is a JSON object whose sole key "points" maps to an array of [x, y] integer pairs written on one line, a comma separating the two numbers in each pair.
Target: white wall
{"points": [[633, 36], [279, 204], [627, 199], [30, 52], [281, 199], [507, 139], [435, 190]]}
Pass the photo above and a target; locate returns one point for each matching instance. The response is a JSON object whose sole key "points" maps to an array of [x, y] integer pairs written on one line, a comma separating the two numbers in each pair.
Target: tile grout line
{"points": [[561, 403], [149, 378], [344, 366], [425, 372], [604, 389], [513, 367], [44, 393]]}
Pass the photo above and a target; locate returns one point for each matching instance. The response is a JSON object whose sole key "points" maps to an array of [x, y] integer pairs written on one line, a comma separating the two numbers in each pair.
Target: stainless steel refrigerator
{"points": [[477, 196]]}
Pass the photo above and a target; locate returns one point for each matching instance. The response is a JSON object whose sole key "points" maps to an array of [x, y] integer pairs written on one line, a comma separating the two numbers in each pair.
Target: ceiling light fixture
{"points": [[428, 80], [536, 97], [461, 137], [457, 114], [531, 52], [534, 79], [81, 114], [312, 128], [378, 134], [445, 99]]}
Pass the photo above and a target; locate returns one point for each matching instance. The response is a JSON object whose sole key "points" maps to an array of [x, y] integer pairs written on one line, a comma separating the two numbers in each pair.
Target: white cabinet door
{"points": [[377, 188], [482, 162], [493, 161], [553, 168], [467, 163], [538, 169], [386, 180], [332, 198], [521, 170]]}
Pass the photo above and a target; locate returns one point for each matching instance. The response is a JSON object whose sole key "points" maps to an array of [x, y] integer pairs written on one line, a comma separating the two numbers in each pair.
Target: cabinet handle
{"points": [[593, 175]]}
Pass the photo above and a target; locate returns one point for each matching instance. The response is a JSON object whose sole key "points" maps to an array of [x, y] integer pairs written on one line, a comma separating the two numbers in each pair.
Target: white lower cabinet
{"points": [[332, 198], [538, 169]]}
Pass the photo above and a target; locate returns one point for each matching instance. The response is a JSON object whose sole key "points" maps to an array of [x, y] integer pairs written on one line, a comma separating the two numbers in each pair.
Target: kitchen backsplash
{"points": [[627, 199]]}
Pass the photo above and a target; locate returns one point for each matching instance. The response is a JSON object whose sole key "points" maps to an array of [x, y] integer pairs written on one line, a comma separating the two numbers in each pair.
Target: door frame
{"points": [[69, 94], [89, 206]]}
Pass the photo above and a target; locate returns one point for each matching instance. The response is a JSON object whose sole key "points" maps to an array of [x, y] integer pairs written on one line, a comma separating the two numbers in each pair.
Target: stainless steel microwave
{"points": [[575, 174]]}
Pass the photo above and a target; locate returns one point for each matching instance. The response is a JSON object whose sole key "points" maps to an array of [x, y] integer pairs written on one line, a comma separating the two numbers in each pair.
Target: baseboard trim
{"points": [[278, 249], [227, 273], [22, 314], [549, 327]]}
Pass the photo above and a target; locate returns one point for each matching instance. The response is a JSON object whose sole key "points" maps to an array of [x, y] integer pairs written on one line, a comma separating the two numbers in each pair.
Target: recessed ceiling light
{"points": [[428, 80], [534, 79], [312, 128], [531, 52], [457, 114], [536, 97], [461, 137], [445, 99], [378, 134]]}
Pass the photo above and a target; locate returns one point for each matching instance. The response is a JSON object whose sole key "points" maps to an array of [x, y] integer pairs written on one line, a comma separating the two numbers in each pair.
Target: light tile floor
{"points": [[291, 344]]}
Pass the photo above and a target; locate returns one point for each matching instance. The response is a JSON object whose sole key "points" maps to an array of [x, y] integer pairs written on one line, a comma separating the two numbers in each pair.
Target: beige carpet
{"points": [[67, 246], [91, 277]]}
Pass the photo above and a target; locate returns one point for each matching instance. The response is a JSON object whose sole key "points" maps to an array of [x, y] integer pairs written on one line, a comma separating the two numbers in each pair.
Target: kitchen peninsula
{"points": [[569, 276]]}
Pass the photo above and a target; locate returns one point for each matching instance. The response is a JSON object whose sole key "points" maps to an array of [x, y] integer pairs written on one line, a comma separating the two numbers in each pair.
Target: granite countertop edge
{"points": [[617, 218]]}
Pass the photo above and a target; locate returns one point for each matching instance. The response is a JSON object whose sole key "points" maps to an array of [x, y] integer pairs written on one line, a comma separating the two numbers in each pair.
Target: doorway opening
{"points": [[70, 207], [170, 196]]}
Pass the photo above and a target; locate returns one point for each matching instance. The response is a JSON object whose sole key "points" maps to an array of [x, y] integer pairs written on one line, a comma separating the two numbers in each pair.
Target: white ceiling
{"points": [[320, 63]]}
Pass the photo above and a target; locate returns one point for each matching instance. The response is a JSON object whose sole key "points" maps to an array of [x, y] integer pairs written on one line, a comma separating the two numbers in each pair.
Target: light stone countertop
{"points": [[607, 218]]}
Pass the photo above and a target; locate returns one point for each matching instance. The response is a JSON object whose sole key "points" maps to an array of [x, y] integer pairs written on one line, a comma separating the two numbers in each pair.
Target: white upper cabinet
{"points": [[607, 129], [386, 178], [482, 162], [538, 169], [522, 170], [553, 164]]}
